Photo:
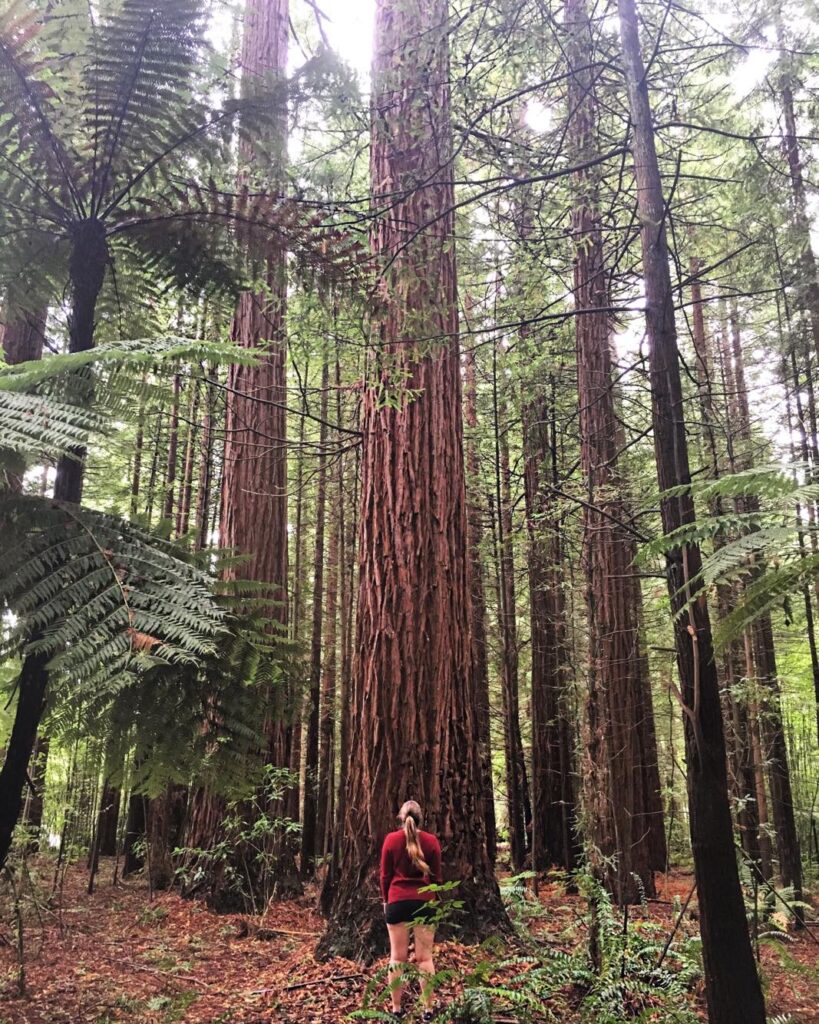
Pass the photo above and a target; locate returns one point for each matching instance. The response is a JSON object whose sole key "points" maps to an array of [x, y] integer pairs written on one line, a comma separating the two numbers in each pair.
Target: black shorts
{"points": [[410, 912]]}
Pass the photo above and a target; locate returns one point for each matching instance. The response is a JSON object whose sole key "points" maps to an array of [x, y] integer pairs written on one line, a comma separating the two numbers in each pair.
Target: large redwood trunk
{"points": [[732, 988], [253, 518], [621, 775], [413, 726]]}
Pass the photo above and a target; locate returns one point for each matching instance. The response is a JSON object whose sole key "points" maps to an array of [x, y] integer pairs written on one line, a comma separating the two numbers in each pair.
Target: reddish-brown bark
{"points": [[413, 727]]}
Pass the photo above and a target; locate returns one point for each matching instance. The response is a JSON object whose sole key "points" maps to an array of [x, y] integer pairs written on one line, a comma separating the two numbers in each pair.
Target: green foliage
{"points": [[251, 838], [764, 544], [55, 406], [638, 979], [100, 597], [204, 720]]}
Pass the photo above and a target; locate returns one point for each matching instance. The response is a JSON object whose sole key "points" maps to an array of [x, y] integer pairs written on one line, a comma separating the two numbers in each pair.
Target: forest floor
{"points": [[116, 957]]}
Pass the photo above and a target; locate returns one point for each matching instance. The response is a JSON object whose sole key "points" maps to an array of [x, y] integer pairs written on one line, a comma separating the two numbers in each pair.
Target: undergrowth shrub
{"points": [[640, 978]]}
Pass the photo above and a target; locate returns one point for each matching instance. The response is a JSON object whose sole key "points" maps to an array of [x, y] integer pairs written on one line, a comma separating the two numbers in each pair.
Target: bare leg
{"points": [[424, 937], [399, 949]]}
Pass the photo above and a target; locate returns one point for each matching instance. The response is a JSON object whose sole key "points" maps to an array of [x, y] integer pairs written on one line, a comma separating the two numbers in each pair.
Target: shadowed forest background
{"points": [[409, 399]]}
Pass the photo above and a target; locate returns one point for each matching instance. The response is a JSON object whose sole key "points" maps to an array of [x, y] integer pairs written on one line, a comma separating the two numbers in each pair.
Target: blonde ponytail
{"points": [[410, 818]]}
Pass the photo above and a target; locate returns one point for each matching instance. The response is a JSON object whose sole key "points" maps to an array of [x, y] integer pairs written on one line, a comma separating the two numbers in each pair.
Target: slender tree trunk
{"points": [[205, 483], [732, 986], [479, 655], [348, 503], [516, 781], [791, 385], [23, 339], [787, 839], [412, 711], [553, 799], [809, 273], [310, 822], [620, 769], [326, 767], [173, 447], [743, 779], [186, 484]]}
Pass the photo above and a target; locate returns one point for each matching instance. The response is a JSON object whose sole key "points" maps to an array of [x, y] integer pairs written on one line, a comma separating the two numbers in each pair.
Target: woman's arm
{"points": [[435, 872], [387, 870]]}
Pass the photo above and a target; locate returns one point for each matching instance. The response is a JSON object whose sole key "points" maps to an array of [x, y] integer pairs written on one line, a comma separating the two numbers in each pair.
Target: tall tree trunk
{"points": [[620, 770], [480, 662], [87, 265], [808, 271], [516, 781], [327, 724], [553, 798], [773, 730], [743, 779], [412, 710], [186, 483], [310, 823], [790, 381], [205, 483], [253, 516], [173, 447], [23, 338], [732, 988]]}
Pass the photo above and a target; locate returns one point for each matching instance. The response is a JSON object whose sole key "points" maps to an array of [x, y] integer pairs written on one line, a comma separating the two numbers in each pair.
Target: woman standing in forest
{"points": [[410, 862]]}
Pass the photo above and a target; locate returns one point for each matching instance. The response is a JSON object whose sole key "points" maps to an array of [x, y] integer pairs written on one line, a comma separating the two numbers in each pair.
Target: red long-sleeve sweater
{"points": [[400, 878]]}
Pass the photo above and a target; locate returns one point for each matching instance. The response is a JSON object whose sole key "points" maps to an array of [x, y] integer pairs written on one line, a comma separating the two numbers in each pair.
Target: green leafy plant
{"points": [[243, 862], [761, 543]]}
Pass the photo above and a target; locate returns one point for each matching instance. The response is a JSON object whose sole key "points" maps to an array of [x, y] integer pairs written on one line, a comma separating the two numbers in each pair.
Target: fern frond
{"points": [[41, 427]]}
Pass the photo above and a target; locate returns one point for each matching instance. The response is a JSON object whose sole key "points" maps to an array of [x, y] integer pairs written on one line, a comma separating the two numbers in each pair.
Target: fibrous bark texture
{"points": [[413, 726]]}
